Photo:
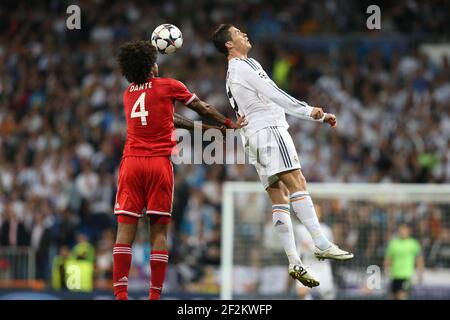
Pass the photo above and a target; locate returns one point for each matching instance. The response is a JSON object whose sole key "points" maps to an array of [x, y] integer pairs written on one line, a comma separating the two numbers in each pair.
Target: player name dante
{"points": [[142, 86], [235, 309]]}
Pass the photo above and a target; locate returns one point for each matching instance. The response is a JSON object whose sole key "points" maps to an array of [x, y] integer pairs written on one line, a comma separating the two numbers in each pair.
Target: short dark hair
{"points": [[221, 36], [136, 59]]}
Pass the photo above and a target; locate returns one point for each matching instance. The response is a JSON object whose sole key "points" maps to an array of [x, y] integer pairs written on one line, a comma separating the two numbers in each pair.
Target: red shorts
{"points": [[144, 182]]}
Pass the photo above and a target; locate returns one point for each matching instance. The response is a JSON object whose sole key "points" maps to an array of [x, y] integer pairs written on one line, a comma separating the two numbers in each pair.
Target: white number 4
{"points": [[140, 102]]}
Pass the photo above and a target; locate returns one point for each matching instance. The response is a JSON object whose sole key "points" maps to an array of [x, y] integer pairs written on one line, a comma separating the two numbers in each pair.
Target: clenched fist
{"points": [[330, 119]]}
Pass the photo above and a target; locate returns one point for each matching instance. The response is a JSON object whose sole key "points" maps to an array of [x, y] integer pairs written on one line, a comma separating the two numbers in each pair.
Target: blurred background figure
{"points": [[322, 270], [403, 259], [59, 269], [13, 232], [83, 250], [104, 260], [80, 267], [41, 242]]}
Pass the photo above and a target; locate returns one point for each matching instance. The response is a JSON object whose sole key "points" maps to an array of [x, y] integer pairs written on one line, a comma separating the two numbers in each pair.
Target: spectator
{"points": [[59, 268], [40, 242], [13, 232], [83, 250], [64, 228]]}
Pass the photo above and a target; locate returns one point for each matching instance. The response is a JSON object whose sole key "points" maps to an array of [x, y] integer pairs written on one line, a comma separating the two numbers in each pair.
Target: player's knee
{"points": [[158, 240], [125, 236], [301, 181], [158, 231], [285, 192], [279, 195], [159, 236], [294, 181], [126, 229], [299, 184]]}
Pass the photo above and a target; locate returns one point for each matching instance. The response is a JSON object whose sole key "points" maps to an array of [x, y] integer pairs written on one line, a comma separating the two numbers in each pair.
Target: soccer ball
{"points": [[167, 38]]}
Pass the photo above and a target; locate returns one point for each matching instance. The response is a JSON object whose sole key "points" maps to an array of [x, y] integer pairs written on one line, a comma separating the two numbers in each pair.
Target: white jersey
{"points": [[254, 95]]}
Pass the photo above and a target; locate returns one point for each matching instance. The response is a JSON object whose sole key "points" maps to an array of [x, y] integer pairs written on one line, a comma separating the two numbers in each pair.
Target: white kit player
{"points": [[270, 147]]}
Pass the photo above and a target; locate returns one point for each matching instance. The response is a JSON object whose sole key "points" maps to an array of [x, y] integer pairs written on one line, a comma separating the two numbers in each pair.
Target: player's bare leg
{"points": [[278, 193], [304, 209], [158, 236], [126, 232], [159, 257]]}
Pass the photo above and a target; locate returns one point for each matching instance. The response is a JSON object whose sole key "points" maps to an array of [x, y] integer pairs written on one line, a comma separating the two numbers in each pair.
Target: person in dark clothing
{"points": [[14, 234], [13, 231], [40, 241]]}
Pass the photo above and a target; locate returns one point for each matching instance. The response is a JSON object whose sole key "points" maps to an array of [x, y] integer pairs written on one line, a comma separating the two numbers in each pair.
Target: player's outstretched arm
{"points": [[208, 111], [299, 109], [184, 123]]}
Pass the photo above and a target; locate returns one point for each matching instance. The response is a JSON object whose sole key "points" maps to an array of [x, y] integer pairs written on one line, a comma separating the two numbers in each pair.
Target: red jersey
{"points": [[149, 109]]}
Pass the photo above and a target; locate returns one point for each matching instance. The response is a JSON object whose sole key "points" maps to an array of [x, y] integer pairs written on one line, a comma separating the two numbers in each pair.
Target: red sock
{"points": [[121, 267], [158, 267]]}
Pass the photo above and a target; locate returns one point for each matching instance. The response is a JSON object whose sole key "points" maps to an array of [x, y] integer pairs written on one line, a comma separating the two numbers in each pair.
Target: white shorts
{"points": [[272, 151]]}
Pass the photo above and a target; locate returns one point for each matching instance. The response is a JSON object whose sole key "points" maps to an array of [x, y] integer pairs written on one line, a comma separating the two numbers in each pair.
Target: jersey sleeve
{"points": [[181, 93], [262, 84]]}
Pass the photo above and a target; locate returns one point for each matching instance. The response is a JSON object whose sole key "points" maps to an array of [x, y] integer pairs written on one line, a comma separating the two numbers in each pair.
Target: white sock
{"points": [[283, 224], [304, 209]]}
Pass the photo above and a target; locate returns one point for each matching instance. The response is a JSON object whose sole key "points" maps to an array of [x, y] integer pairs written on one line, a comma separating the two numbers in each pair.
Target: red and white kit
{"points": [[146, 172]]}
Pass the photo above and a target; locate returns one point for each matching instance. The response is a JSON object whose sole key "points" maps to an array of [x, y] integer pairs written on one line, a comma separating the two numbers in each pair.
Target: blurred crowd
{"points": [[62, 128]]}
